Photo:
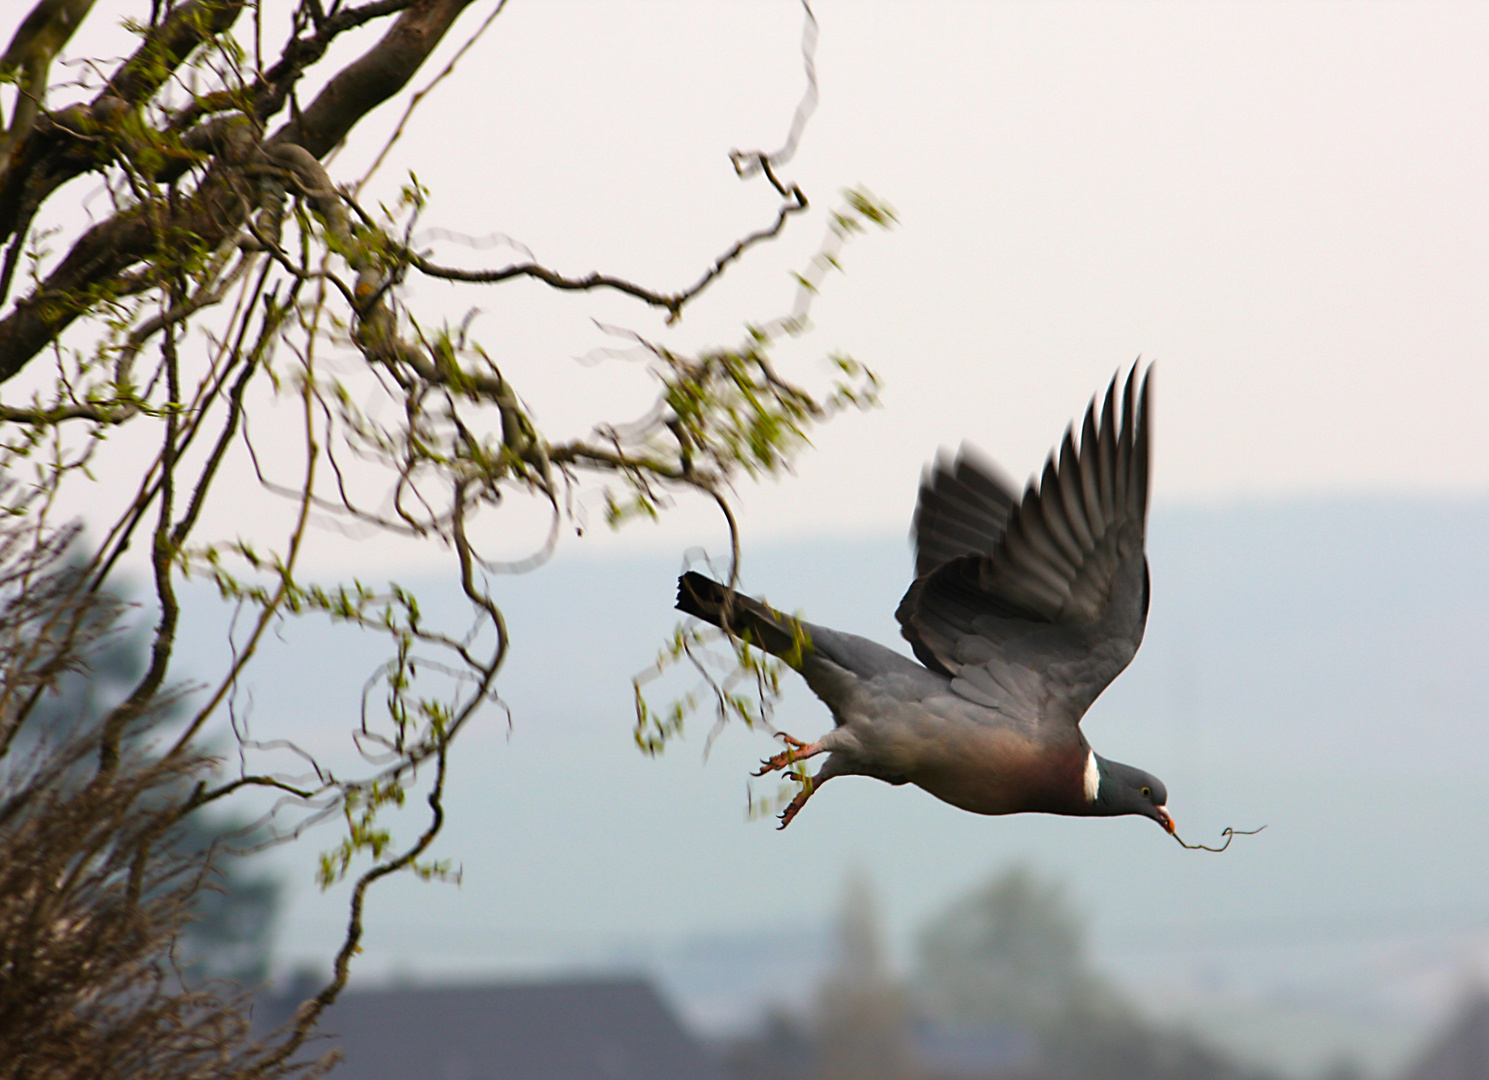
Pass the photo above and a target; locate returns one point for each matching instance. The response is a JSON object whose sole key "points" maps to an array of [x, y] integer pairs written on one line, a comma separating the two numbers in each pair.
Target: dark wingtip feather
{"points": [[1143, 451]]}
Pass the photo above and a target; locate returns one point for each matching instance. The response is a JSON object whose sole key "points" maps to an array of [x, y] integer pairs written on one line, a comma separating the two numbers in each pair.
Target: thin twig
{"points": [[1229, 834]]}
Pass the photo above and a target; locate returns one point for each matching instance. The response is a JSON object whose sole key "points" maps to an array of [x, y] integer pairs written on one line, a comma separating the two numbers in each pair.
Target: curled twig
{"points": [[1228, 833]]}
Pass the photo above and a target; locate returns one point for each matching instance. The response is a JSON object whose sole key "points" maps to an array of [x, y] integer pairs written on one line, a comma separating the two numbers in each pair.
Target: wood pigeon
{"points": [[1021, 613]]}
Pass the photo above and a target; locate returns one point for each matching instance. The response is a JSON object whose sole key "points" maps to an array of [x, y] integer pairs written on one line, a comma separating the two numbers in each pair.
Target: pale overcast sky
{"points": [[1282, 204]]}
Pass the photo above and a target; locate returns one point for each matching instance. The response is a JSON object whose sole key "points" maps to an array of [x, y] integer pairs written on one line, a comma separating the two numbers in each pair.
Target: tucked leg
{"points": [[795, 751]]}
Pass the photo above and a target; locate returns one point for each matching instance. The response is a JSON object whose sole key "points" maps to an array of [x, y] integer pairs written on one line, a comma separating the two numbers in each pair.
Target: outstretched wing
{"points": [[1044, 619]]}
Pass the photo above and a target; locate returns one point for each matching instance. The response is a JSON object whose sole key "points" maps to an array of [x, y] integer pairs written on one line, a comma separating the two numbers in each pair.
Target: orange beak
{"points": [[1164, 820]]}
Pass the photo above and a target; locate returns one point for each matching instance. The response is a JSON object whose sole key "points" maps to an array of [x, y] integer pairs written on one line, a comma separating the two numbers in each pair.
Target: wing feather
{"points": [[1055, 519], [963, 507], [1106, 458], [1090, 477], [1071, 498]]}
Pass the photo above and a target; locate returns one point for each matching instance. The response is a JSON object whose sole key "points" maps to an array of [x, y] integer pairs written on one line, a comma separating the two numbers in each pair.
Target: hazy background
{"points": [[1283, 205], [1316, 667]]}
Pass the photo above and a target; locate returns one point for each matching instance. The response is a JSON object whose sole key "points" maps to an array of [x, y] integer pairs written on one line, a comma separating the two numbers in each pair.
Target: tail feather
{"points": [[748, 619]]}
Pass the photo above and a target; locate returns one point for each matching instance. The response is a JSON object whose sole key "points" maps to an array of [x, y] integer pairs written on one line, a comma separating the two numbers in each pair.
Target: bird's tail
{"points": [[745, 618]]}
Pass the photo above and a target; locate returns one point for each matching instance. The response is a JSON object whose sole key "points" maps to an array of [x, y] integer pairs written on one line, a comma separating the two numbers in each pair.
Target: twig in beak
{"points": [[1229, 834]]}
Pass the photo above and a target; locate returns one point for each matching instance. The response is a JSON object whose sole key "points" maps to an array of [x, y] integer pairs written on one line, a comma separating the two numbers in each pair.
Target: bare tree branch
{"points": [[672, 302], [229, 276]]}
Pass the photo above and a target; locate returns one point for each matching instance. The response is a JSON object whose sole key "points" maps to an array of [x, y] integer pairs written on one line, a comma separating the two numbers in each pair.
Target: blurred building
{"points": [[1462, 1051], [590, 1029], [784, 1050], [983, 1053]]}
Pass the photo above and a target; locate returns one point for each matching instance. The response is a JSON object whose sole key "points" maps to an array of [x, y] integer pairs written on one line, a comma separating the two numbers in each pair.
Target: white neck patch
{"points": [[1092, 776]]}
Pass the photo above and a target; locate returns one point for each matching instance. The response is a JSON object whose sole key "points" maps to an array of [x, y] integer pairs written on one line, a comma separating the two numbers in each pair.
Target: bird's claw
{"points": [[772, 764], [794, 806], [787, 757]]}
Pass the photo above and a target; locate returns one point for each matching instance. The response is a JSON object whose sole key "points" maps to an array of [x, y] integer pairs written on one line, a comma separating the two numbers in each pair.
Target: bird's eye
{"points": [[1147, 791]]}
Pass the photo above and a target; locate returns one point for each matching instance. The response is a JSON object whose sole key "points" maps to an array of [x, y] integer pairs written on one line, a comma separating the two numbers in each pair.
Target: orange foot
{"points": [[808, 785], [795, 751]]}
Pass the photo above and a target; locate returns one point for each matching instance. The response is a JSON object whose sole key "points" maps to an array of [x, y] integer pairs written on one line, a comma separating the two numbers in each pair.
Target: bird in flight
{"points": [[1021, 612]]}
